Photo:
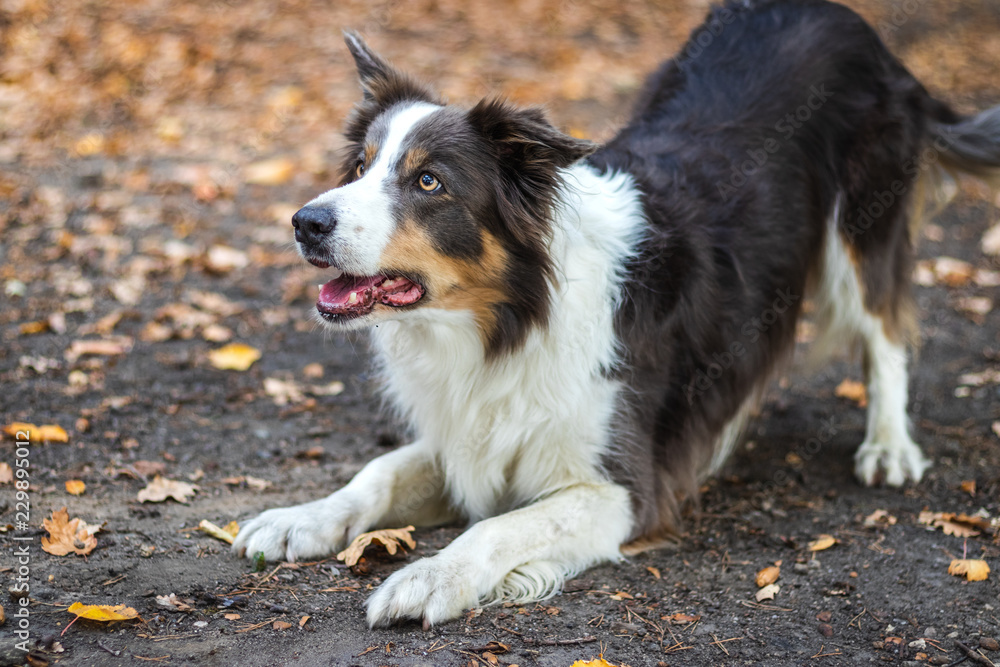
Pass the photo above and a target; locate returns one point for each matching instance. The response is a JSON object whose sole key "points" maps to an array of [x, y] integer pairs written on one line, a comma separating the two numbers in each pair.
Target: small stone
{"points": [[919, 644], [938, 659], [953, 635], [814, 564], [800, 568], [824, 616], [930, 631], [826, 629], [989, 644]]}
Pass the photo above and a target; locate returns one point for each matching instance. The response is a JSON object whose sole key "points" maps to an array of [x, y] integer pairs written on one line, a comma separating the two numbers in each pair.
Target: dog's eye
{"points": [[359, 171], [429, 182]]}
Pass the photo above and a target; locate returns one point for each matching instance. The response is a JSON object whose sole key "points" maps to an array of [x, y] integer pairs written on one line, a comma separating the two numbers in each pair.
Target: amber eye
{"points": [[359, 171], [428, 182]]}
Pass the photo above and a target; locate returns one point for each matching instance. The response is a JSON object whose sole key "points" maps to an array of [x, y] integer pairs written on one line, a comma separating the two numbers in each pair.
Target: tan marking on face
{"points": [[414, 159], [451, 283], [371, 150]]}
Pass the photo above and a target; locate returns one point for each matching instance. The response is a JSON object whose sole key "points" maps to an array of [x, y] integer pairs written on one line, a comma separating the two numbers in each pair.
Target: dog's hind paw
{"points": [[312, 530], [432, 590], [894, 461]]}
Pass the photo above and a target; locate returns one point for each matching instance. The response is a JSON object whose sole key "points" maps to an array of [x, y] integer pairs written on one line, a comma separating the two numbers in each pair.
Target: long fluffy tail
{"points": [[971, 145]]}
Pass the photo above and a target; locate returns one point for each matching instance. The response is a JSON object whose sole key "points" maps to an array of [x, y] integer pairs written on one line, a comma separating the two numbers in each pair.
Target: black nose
{"points": [[312, 223]]}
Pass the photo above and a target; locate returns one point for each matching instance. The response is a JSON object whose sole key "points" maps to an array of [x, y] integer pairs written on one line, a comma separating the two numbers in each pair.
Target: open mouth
{"points": [[351, 296]]}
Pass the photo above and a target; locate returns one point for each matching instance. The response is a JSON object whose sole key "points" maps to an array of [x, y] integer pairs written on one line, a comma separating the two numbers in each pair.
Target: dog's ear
{"points": [[382, 83], [529, 151]]}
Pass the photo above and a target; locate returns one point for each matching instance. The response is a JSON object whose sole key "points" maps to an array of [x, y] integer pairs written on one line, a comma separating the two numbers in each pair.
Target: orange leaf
{"points": [[67, 536], [768, 576], [75, 487], [822, 542], [852, 390]]}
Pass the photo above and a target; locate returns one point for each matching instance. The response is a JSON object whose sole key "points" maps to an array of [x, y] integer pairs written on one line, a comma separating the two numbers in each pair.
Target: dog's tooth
{"points": [[353, 298]]}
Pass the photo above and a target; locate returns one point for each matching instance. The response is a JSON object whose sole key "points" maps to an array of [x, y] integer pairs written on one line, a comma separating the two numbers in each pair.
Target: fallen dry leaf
{"points": [[283, 392], [991, 241], [969, 486], [107, 347], [103, 612], [852, 390], [270, 172], [160, 489], [995, 427], [767, 576], [223, 259], [281, 625], [879, 518], [75, 487], [389, 538], [767, 592], [596, 662], [234, 357], [6, 473], [231, 617], [960, 525], [822, 542], [227, 534], [974, 570], [680, 618], [303, 621], [36, 434], [654, 571], [173, 602], [952, 272], [66, 536], [251, 482]]}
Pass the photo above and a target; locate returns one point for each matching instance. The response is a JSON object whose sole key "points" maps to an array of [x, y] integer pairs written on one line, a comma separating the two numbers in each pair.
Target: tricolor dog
{"points": [[576, 333]]}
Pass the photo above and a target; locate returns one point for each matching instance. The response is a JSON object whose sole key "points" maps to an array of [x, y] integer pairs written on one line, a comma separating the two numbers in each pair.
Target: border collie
{"points": [[577, 333]]}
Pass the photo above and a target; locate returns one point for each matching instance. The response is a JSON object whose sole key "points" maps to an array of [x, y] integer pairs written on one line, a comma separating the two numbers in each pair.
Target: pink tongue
{"points": [[338, 291]]}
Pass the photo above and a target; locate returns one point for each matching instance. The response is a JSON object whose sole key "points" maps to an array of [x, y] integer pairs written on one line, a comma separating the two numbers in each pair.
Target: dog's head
{"points": [[439, 209]]}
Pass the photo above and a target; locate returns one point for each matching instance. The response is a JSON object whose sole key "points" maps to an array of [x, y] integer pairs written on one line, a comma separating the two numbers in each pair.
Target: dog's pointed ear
{"points": [[529, 152], [371, 66], [526, 136], [382, 83]]}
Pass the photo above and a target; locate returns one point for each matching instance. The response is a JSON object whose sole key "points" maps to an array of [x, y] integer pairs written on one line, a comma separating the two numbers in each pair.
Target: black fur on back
{"points": [[723, 250]]}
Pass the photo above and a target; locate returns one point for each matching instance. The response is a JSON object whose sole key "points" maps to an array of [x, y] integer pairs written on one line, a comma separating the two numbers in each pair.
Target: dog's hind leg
{"points": [[402, 487], [849, 312]]}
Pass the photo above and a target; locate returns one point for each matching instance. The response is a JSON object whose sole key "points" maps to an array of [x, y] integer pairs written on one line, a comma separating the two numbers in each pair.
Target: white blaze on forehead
{"points": [[364, 208]]}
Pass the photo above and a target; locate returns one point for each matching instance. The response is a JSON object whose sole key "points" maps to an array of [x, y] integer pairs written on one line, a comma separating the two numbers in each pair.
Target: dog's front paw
{"points": [[898, 459], [433, 590], [312, 530]]}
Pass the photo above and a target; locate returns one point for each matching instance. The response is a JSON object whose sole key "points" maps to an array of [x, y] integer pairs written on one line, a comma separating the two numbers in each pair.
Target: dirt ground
{"points": [[151, 155]]}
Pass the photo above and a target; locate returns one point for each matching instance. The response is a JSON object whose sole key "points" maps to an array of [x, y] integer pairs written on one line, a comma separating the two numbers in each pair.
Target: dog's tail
{"points": [[957, 145], [970, 145]]}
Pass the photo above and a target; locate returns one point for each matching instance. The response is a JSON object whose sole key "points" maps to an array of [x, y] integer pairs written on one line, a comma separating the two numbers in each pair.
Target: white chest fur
{"points": [[517, 428]]}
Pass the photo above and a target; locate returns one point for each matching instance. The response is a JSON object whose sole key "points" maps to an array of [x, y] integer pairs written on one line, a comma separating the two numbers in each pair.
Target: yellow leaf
{"points": [[53, 433], [822, 542], [960, 525], [161, 489], [227, 534], [974, 570], [596, 662], [103, 612], [234, 357], [768, 576], [66, 537], [75, 487], [389, 538]]}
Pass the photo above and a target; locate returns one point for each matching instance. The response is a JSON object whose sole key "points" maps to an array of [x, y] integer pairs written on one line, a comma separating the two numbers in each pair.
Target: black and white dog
{"points": [[576, 333]]}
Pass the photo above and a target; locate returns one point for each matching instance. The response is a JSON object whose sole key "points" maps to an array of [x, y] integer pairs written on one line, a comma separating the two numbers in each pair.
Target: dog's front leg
{"points": [[401, 487], [522, 555]]}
